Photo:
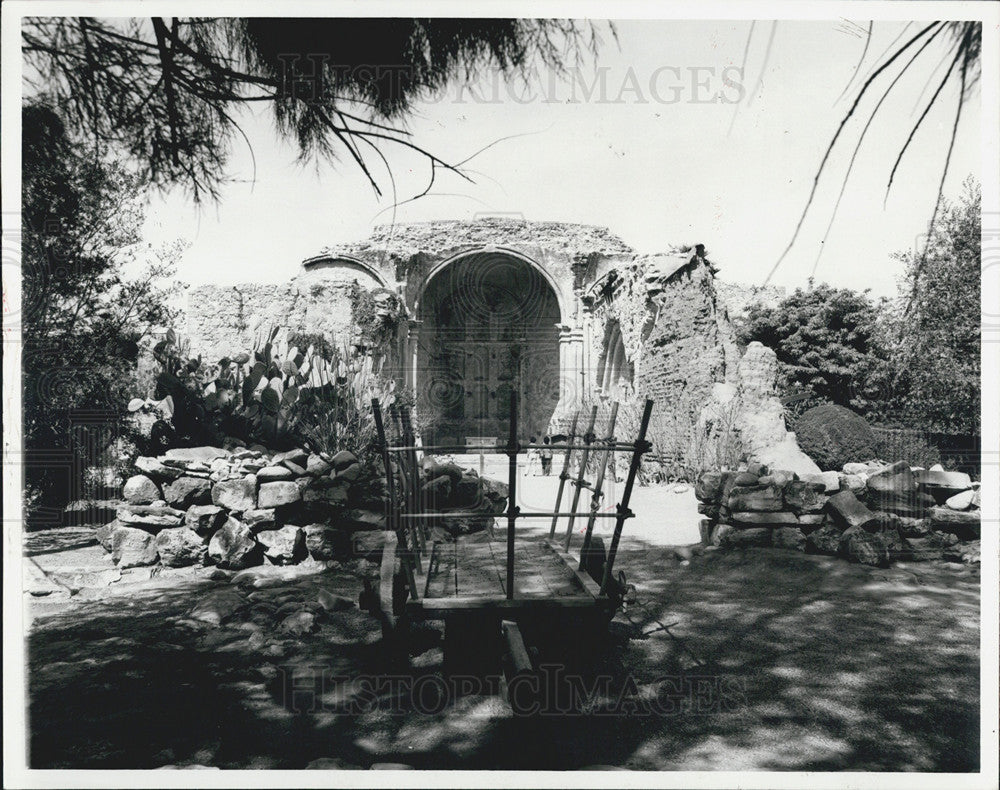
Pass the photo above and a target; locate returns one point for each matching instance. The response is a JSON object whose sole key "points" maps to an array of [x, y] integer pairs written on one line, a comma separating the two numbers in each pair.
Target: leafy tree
{"points": [[83, 317], [167, 92], [925, 367], [821, 337]]}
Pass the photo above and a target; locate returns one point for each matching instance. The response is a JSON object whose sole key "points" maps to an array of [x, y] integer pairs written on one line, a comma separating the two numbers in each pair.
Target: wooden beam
{"points": [[586, 582]]}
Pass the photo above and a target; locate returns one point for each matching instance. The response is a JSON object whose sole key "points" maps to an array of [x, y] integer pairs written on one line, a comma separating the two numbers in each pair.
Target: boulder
{"points": [[204, 519], [802, 497], [156, 469], [298, 457], [236, 495], [766, 498], [203, 454], [317, 466], [140, 490], [854, 483], [896, 479], [720, 532], [709, 487], [961, 501], [829, 480], [745, 538], [965, 524], [133, 548], [343, 459], [849, 510], [825, 540], [294, 468], [270, 474], [856, 469], [756, 468], [279, 493], [260, 519], [788, 538], [233, 546], [285, 546], [862, 546], [465, 492], [966, 552], [149, 517], [334, 495], [747, 479], [217, 606], [298, 624], [924, 549], [187, 491], [766, 518], [942, 485], [435, 493], [349, 473], [180, 546], [809, 521], [777, 477], [709, 509], [103, 534], [325, 543]]}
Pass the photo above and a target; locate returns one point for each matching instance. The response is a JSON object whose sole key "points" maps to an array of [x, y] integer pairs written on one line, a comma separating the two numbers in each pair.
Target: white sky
{"points": [[653, 172]]}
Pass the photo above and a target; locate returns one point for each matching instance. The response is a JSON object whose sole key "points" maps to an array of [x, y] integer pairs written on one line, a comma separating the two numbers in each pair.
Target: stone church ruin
{"points": [[566, 315]]}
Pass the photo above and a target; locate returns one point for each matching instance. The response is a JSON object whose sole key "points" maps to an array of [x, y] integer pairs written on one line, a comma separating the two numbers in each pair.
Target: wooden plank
{"points": [[386, 573], [588, 584], [438, 607], [519, 659]]}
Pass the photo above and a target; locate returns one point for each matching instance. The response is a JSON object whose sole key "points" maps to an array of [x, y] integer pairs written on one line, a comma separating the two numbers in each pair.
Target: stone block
{"points": [[862, 546], [829, 480], [149, 517], [271, 474], [187, 491], [961, 501], [133, 548], [204, 519], [326, 543], [765, 519], [233, 546], [763, 498], [965, 524], [825, 540], [895, 479], [285, 546], [849, 510], [279, 493], [318, 466], [802, 497], [260, 519], [747, 479], [140, 490], [202, 454], [788, 538], [709, 487], [343, 459], [747, 537], [180, 546], [156, 469], [236, 495], [943, 485]]}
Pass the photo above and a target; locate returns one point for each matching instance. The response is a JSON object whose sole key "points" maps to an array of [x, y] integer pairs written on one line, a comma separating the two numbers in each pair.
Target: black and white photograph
{"points": [[490, 395]]}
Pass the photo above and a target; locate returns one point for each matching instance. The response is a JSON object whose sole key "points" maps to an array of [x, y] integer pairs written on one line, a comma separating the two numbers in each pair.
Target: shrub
{"points": [[833, 436], [900, 444]]}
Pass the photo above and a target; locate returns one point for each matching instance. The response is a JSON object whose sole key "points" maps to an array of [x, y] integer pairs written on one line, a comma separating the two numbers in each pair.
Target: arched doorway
{"points": [[488, 329]]}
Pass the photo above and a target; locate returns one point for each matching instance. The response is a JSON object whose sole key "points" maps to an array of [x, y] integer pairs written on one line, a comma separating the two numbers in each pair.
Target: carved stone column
{"points": [[571, 368]]}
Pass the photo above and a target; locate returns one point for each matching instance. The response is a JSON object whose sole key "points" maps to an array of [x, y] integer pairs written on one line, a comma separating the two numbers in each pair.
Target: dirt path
{"points": [[754, 659]]}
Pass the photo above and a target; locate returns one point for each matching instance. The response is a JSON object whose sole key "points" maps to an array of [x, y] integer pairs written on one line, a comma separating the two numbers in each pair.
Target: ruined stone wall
{"points": [[225, 319]]}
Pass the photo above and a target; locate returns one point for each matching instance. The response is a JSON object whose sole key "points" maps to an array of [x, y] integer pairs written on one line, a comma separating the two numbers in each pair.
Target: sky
{"points": [[631, 141]]}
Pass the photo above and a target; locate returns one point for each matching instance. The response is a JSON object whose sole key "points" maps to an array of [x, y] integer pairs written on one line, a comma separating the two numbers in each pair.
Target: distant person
{"points": [[546, 455], [534, 459]]}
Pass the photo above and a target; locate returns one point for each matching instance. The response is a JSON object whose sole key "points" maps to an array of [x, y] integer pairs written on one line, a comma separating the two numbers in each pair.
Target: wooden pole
{"points": [[512, 508], [409, 459], [588, 439], [598, 492], [392, 511], [641, 446], [564, 474]]}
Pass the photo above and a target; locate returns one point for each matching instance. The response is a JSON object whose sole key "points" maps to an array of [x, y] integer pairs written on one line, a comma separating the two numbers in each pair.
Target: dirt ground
{"points": [[741, 659]]}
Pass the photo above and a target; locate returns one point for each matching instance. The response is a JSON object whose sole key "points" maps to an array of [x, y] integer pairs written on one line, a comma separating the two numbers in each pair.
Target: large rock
{"points": [[270, 474], [285, 546], [966, 552], [326, 543], [765, 518], [203, 454], [187, 491], [133, 548], [180, 546], [862, 546], [156, 469], [942, 485], [965, 524], [961, 501], [802, 497], [709, 487], [766, 498], [140, 490], [788, 538], [343, 459], [825, 540], [260, 519], [317, 466], [895, 479], [747, 537], [103, 534], [204, 519], [829, 480], [151, 518], [233, 546], [436, 493], [298, 457], [237, 495], [279, 493], [849, 510]]}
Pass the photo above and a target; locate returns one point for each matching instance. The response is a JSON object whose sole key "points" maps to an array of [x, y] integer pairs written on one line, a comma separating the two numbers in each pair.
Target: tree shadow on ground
{"points": [[772, 660]]}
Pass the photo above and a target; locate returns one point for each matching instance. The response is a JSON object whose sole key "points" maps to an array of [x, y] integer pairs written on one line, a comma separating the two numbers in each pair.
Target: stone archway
{"points": [[488, 327]]}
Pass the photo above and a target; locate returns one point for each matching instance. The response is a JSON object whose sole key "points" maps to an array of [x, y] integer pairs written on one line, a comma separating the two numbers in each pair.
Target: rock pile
{"points": [[872, 513], [244, 507]]}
